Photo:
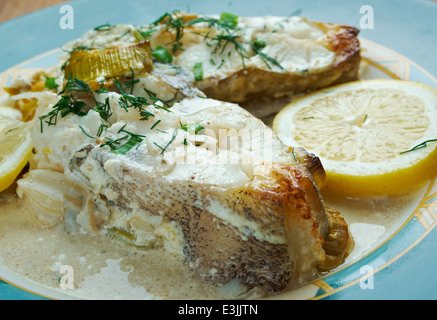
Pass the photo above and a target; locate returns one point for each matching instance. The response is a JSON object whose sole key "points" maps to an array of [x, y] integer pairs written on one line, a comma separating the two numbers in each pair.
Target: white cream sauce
{"points": [[105, 268]]}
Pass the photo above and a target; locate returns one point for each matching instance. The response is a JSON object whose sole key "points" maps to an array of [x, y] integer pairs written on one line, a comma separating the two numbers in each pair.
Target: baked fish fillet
{"points": [[263, 56], [204, 179], [240, 59], [258, 222]]}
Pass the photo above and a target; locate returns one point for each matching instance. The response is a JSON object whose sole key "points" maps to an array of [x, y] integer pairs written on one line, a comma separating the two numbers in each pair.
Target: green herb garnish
{"points": [[144, 35], [221, 41], [131, 83], [75, 84], [257, 47], [163, 149], [114, 144], [104, 27], [173, 24], [161, 54], [155, 124], [50, 83], [192, 127], [229, 20], [118, 85], [9, 131], [102, 89], [167, 103], [128, 101], [85, 133], [64, 106], [227, 34], [198, 71], [420, 146], [104, 109]]}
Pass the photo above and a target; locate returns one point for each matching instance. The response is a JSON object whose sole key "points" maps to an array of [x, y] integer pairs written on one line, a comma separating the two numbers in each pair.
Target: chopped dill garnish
{"points": [[294, 155], [118, 85], [163, 149], [9, 131], [173, 23], [155, 124], [76, 85], [104, 109], [128, 101], [420, 146], [102, 89], [198, 71], [63, 107], [229, 20], [85, 133], [192, 127], [223, 40], [50, 83], [227, 26], [68, 104], [145, 115], [131, 83], [161, 54], [114, 144], [104, 27], [103, 127], [257, 47], [144, 35], [167, 103]]}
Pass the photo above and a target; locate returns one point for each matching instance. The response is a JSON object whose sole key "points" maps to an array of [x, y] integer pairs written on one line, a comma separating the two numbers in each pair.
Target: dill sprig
{"points": [[104, 27], [174, 24], [221, 41], [131, 83], [227, 34], [155, 100], [68, 104], [76, 85], [419, 146], [104, 109], [62, 108], [121, 149], [257, 47], [191, 127], [103, 126], [163, 149]]}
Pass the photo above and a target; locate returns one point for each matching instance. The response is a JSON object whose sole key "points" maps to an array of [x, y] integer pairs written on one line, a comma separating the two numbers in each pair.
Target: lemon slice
{"points": [[15, 146], [374, 137]]}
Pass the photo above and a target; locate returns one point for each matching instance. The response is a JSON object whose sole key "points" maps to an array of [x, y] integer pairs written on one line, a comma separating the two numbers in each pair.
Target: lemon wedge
{"points": [[15, 146], [374, 137]]}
